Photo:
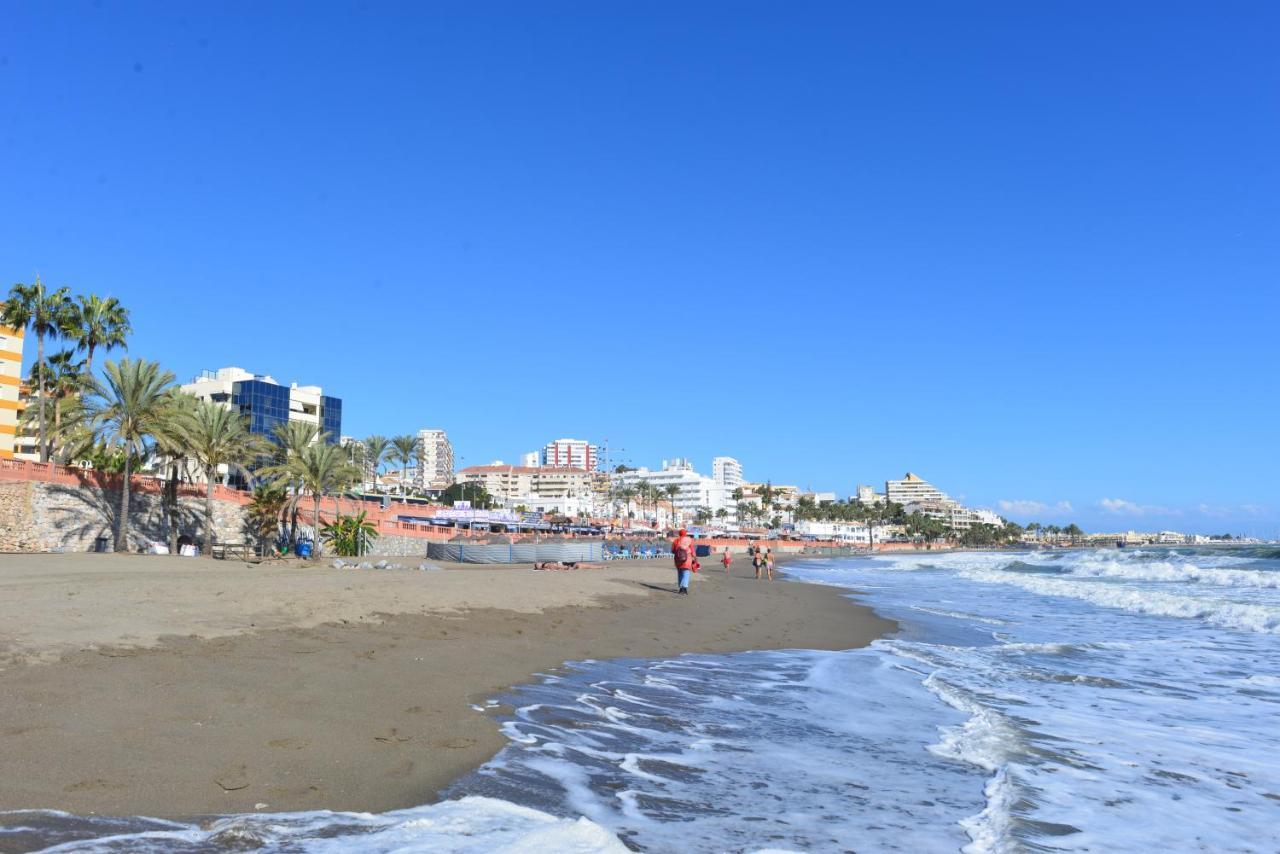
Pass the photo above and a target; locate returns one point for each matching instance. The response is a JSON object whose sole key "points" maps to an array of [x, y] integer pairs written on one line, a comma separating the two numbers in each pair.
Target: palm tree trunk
{"points": [[171, 508], [122, 523], [88, 364], [57, 423], [44, 451], [293, 519], [315, 536], [208, 509]]}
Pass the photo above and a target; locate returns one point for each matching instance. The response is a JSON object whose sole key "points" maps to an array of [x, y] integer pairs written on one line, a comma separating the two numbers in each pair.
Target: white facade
{"points": [[531, 460], [912, 489], [727, 472], [849, 532], [571, 453], [693, 490], [534, 486], [435, 460]]}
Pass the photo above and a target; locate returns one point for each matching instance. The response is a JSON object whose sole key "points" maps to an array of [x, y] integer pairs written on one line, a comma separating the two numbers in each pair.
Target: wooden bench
{"points": [[225, 551]]}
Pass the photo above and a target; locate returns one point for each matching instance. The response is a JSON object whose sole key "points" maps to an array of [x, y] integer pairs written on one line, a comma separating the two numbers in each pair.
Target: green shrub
{"points": [[349, 536]]}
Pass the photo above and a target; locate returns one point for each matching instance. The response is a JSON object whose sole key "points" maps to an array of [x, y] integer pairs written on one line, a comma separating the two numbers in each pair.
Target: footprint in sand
{"points": [[289, 743], [94, 785], [454, 743], [392, 736], [233, 778]]}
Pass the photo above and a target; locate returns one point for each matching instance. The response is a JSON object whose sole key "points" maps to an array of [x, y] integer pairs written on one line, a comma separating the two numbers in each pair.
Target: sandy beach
{"points": [[181, 687]]}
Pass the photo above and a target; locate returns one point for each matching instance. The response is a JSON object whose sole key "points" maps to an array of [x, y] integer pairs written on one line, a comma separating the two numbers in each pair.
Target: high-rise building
{"points": [[727, 472], [435, 460], [913, 489], [10, 381], [571, 453], [266, 403]]}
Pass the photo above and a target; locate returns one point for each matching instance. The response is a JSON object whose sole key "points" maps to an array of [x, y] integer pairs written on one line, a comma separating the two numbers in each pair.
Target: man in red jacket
{"points": [[682, 550]]}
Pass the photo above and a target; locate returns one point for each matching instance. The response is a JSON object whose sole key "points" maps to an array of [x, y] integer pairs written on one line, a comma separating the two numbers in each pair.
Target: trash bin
{"points": [[702, 551], [304, 549], [100, 544]]}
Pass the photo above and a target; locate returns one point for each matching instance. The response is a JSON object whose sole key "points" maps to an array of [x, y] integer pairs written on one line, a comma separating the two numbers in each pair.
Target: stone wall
{"points": [[395, 545], [53, 517]]}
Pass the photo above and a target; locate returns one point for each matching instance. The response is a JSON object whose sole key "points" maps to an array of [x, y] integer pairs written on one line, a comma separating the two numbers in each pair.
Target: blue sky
{"points": [[1027, 250]]}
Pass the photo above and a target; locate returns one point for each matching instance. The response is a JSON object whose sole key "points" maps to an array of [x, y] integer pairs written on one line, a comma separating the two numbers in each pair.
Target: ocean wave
{"points": [[1182, 570], [469, 825], [1215, 611]]}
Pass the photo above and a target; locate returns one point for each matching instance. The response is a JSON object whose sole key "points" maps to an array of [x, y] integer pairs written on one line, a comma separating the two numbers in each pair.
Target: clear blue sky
{"points": [[1027, 250]]}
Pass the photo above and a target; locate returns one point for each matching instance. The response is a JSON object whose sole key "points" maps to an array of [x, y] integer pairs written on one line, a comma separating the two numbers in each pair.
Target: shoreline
{"points": [[261, 700]]}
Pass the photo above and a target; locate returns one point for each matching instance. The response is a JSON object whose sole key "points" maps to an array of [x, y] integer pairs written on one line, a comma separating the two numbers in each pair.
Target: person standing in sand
{"points": [[726, 560], [682, 551]]}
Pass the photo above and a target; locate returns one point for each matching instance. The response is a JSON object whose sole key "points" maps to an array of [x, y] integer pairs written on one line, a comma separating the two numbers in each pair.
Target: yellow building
{"points": [[10, 380]]}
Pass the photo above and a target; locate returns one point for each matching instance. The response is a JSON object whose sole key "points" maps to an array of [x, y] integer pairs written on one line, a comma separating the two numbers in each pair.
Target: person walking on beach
{"points": [[682, 551], [768, 562], [755, 559], [726, 560]]}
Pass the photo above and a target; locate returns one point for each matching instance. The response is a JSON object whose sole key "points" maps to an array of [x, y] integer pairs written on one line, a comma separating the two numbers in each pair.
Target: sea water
{"points": [[1107, 700]]}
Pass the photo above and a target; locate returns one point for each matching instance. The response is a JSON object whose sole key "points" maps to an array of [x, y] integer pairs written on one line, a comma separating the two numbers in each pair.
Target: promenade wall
{"points": [[45, 507], [59, 517]]}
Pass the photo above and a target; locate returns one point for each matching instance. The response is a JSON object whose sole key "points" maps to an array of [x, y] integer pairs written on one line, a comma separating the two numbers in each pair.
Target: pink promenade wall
{"points": [[386, 521]]}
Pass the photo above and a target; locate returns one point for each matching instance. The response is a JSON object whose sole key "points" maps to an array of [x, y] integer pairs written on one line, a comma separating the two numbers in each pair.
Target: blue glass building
{"points": [[266, 405]]}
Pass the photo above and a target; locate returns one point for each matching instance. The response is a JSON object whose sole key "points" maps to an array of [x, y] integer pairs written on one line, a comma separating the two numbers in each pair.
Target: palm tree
{"points": [[320, 469], [49, 314], [171, 445], [98, 322], [292, 438], [64, 378], [672, 490], [266, 505], [217, 436], [404, 450], [375, 452], [131, 405]]}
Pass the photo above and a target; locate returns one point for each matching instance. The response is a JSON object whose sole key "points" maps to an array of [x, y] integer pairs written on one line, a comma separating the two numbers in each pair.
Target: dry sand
{"points": [[181, 687]]}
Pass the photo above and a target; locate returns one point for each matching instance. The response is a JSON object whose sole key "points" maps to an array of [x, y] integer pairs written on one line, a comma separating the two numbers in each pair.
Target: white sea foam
{"points": [[466, 826], [1217, 611]]}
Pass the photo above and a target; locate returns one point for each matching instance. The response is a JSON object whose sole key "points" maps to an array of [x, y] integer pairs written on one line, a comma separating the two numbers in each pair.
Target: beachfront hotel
{"points": [[727, 472], [917, 495], [547, 489], [694, 491], [266, 403], [914, 489], [435, 460], [10, 385]]}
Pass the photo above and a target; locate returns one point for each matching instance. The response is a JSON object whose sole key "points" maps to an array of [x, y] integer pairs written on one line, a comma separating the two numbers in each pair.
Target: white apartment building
{"points": [[535, 487], [435, 460], [917, 495], [727, 472], [571, 453], [693, 490], [913, 489]]}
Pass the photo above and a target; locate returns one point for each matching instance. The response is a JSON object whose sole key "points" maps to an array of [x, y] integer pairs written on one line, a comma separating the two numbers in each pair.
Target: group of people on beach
{"points": [[685, 553]]}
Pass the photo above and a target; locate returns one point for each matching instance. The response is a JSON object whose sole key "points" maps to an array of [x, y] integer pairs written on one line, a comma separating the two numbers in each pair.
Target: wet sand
{"points": [[181, 687]]}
